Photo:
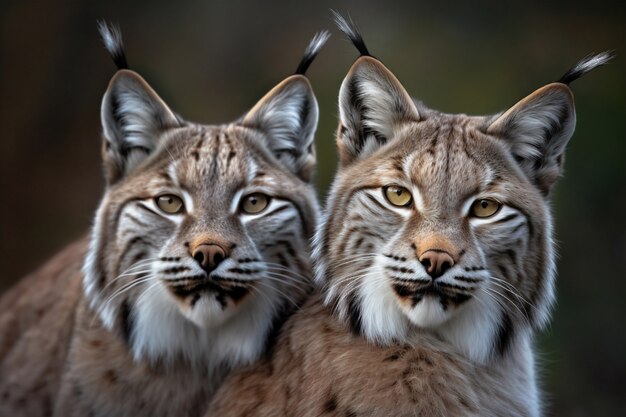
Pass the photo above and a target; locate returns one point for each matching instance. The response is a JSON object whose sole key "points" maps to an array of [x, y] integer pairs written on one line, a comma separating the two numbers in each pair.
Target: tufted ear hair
{"points": [[372, 102], [372, 106], [287, 116], [133, 120], [537, 129]]}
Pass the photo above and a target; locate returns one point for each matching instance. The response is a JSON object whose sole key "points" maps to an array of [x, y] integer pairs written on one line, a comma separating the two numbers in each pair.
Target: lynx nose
{"points": [[209, 256], [436, 262]]}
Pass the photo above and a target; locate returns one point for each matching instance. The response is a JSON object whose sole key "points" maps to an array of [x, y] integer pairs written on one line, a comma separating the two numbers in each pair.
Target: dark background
{"points": [[211, 60]]}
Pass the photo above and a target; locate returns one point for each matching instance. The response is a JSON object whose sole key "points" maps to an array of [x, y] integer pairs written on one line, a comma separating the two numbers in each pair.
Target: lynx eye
{"points": [[254, 203], [485, 207], [398, 196], [170, 203]]}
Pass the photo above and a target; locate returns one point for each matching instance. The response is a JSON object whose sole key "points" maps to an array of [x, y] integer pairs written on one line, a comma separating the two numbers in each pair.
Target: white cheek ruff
{"points": [[206, 335], [381, 319], [473, 330], [92, 274]]}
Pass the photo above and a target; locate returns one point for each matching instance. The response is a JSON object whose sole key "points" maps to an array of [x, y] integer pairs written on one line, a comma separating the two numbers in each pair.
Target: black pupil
{"points": [[253, 201], [170, 200], [484, 203], [398, 192]]}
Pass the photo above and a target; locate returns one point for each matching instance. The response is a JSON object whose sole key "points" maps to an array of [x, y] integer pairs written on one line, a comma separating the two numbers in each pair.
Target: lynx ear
{"points": [[372, 105], [537, 129], [287, 116], [133, 119]]}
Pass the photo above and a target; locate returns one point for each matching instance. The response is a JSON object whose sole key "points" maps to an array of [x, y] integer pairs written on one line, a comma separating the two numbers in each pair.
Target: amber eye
{"points": [[170, 203], [254, 203], [485, 207], [398, 196]]}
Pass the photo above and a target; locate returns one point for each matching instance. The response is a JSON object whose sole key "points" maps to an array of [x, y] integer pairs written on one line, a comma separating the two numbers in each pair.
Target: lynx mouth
{"points": [[414, 292], [191, 289]]}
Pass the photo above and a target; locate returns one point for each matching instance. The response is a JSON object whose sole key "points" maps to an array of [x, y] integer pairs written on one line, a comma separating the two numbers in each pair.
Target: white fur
{"points": [[162, 332], [111, 37], [589, 63], [472, 329], [382, 320], [546, 299], [91, 272], [318, 41]]}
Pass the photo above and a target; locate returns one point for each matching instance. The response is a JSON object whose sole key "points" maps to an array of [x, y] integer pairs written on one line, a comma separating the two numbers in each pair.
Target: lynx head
{"points": [[440, 222], [201, 239]]}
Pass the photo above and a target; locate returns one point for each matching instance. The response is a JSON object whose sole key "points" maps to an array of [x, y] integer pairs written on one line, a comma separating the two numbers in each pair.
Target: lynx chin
{"points": [[434, 260], [199, 249]]}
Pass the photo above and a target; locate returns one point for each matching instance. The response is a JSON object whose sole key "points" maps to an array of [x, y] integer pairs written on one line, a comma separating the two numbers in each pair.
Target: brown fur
{"points": [[36, 321], [319, 368], [102, 374]]}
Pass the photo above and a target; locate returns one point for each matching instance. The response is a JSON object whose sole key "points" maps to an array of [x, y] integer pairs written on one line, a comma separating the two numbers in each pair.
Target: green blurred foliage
{"points": [[211, 60]]}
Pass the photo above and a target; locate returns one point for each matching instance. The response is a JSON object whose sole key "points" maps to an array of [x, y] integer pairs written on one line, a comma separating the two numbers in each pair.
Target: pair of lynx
{"points": [[434, 262]]}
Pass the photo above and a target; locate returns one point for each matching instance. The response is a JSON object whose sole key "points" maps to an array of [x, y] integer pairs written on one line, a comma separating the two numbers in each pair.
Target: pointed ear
{"points": [[287, 116], [372, 105], [133, 119], [537, 130]]}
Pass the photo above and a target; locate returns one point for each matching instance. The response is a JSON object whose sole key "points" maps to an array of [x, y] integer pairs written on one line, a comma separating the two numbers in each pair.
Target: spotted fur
{"points": [[153, 331], [387, 335]]}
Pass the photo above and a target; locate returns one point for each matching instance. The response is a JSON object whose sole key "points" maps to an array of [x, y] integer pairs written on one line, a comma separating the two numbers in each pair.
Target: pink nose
{"points": [[436, 262], [209, 256]]}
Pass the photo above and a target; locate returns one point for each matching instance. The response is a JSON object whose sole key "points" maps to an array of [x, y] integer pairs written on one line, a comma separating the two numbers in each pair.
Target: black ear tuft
{"points": [[112, 38], [373, 105], [349, 28], [312, 50], [585, 65]]}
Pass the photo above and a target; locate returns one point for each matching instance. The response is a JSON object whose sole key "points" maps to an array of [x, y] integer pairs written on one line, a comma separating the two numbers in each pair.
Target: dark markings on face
{"points": [[505, 335], [193, 288], [330, 404], [394, 356], [350, 413], [354, 314], [126, 320]]}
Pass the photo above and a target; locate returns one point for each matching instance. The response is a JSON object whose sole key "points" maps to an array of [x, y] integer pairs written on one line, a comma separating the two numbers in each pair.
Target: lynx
{"points": [[199, 249], [434, 261]]}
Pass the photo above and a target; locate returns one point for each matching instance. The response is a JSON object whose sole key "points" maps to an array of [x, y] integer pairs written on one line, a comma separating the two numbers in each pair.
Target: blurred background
{"points": [[212, 60]]}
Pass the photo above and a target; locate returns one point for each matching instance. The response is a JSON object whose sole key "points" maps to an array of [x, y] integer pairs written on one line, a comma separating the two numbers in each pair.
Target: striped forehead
{"points": [[446, 164], [207, 157]]}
